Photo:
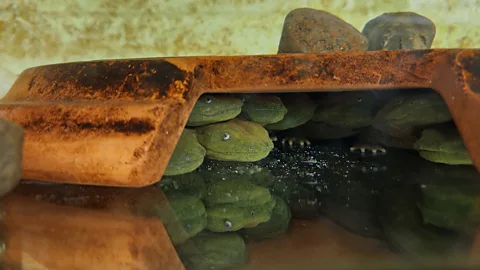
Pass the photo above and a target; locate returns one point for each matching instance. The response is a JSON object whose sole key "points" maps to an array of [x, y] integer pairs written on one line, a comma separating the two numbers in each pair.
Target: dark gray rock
{"points": [[399, 31]]}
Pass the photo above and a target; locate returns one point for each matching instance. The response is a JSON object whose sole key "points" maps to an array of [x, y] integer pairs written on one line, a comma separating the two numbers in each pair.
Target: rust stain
{"points": [[456, 79], [132, 80], [128, 127], [72, 119], [355, 69], [466, 65]]}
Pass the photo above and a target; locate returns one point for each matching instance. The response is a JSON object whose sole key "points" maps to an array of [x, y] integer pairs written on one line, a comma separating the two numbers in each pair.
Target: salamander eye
{"points": [[226, 136], [228, 224], [208, 100]]}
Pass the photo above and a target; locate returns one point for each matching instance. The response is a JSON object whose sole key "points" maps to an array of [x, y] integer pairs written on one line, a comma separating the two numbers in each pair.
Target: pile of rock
{"points": [[307, 30]]}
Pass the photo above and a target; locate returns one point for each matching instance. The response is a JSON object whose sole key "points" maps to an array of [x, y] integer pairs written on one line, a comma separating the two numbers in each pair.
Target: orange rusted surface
{"points": [[116, 122], [76, 227]]}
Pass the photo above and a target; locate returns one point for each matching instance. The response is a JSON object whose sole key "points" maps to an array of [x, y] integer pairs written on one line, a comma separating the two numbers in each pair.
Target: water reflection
{"points": [[319, 201], [386, 166], [343, 178], [75, 227], [421, 210]]}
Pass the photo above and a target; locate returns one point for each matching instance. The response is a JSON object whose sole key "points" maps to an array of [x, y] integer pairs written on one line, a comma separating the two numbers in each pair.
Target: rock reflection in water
{"points": [[401, 201], [82, 227], [323, 201], [401, 177]]}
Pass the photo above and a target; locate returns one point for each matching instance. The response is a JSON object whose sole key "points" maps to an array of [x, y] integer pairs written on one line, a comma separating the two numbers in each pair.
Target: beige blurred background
{"points": [[37, 32]]}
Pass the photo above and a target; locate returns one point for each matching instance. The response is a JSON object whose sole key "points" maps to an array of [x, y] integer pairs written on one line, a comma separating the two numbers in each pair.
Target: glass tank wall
{"points": [[358, 179]]}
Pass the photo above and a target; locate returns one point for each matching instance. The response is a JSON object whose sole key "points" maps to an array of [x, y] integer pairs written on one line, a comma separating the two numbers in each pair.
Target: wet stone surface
{"points": [[11, 146], [307, 30]]}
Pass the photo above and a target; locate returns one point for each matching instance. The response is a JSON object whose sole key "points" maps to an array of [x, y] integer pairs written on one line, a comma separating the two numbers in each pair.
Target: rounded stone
{"points": [[399, 31], [307, 30]]}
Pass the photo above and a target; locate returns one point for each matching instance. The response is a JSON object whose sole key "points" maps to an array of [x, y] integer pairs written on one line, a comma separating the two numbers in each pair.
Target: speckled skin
{"points": [[187, 156], [443, 145], [235, 140]]}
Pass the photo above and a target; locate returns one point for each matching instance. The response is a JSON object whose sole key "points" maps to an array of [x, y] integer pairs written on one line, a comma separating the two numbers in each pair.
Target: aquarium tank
{"points": [[246, 176]]}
